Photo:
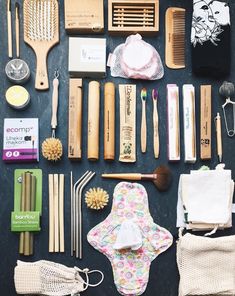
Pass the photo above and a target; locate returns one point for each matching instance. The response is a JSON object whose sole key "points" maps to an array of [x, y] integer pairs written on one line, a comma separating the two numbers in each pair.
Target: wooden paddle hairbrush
{"points": [[161, 177], [41, 32], [175, 38]]}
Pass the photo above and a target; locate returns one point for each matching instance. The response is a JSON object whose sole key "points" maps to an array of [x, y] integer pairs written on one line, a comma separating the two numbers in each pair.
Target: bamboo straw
{"points": [[51, 213], [61, 211], [56, 211], [32, 207], [22, 208], [27, 208]]}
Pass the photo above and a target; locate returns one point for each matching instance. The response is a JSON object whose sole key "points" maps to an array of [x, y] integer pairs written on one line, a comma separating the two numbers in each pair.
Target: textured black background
{"points": [[163, 280]]}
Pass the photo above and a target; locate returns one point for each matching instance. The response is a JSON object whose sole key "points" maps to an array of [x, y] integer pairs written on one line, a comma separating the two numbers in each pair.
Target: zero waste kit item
{"points": [[20, 140]]}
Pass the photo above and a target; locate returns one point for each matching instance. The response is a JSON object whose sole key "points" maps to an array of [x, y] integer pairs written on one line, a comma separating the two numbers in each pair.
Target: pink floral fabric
{"points": [[130, 268]]}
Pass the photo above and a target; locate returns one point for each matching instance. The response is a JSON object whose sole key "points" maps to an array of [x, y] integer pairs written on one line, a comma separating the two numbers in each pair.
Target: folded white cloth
{"points": [[205, 199], [206, 265], [129, 236]]}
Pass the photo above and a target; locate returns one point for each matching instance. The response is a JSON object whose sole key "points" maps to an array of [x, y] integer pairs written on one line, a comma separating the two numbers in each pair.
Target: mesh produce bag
{"points": [[206, 265], [49, 278]]}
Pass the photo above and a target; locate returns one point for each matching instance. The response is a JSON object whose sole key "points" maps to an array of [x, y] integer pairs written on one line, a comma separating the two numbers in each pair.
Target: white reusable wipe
{"points": [[129, 236], [136, 59]]}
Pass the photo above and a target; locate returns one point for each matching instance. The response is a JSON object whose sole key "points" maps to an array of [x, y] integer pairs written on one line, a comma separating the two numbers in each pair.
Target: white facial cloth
{"points": [[207, 198], [129, 236]]}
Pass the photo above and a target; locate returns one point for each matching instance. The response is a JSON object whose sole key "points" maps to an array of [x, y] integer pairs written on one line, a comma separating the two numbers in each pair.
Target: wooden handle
{"points": [[143, 128], [41, 80], [51, 213], [109, 121], [93, 121], [155, 130], [17, 31], [9, 27], [56, 211], [55, 96], [61, 211], [131, 176]]}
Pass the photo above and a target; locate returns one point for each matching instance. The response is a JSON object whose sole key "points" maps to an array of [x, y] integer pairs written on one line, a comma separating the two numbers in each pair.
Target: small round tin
{"points": [[17, 97], [17, 71]]}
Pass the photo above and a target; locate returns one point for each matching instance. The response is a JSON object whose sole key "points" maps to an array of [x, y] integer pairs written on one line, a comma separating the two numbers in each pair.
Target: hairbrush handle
{"points": [[41, 80], [55, 96], [131, 176]]}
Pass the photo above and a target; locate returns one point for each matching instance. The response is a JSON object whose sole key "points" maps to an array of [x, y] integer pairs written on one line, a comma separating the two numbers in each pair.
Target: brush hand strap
{"points": [[210, 38]]}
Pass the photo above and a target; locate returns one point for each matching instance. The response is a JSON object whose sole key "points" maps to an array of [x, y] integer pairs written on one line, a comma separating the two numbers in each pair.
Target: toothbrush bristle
{"points": [[143, 93], [155, 94]]}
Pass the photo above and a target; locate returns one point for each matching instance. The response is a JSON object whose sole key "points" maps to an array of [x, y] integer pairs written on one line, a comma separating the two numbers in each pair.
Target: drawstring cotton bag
{"points": [[52, 279]]}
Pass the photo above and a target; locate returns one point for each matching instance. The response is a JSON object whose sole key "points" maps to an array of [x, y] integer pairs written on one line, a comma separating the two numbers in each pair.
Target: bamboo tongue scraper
{"points": [[41, 32]]}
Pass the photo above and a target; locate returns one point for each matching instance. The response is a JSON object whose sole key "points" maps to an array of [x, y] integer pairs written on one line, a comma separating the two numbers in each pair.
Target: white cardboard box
{"points": [[87, 57]]}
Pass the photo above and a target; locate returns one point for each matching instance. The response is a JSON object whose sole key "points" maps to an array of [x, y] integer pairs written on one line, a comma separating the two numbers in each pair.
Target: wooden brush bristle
{"points": [[40, 19], [164, 178]]}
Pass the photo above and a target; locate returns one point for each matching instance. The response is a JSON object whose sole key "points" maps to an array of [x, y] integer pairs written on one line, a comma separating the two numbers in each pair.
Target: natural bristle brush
{"points": [[41, 32], [143, 121], [52, 148], [161, 177], [155, 124]]}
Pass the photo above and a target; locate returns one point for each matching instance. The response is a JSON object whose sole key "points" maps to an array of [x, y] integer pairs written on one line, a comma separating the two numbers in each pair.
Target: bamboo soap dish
{"points": [[133, 16]]}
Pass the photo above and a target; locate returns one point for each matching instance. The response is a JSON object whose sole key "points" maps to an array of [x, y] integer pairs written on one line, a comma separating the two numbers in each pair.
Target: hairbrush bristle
{"points": [[40, 19], [164, 178], [52, 149], [96, 198]]}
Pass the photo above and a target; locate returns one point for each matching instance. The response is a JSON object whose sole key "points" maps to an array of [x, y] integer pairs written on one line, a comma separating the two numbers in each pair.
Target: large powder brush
{"points": [[161, 177]]}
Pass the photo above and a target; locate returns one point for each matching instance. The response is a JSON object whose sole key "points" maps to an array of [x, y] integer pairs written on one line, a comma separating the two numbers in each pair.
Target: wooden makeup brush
{"points": [[161, 177]]}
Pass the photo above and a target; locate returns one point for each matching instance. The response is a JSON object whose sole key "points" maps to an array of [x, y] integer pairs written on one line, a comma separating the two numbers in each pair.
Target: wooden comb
{"points": [[41, 32], [126, 17], [175, 38]]}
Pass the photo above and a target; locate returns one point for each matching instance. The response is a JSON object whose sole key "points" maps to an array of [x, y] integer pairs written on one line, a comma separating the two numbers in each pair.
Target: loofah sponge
{"points": [[52, 149], [96, 198]]}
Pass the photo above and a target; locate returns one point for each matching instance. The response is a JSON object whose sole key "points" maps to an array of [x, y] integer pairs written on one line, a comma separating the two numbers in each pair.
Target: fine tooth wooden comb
{"points": [[126, 17], [41, 32], [175, 38]]}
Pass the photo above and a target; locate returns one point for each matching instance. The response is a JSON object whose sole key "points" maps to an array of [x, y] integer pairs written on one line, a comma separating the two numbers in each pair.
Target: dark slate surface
{"points": [[163, 279]]}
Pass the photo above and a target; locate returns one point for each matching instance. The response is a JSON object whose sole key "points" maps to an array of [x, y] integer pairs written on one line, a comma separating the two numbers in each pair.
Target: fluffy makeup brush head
{"points": [[96, 198], [52, 149], [163, 178]]}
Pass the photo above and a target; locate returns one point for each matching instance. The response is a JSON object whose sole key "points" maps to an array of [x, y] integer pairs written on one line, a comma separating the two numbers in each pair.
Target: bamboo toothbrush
{"points": [[155, 124], [143, 121]]}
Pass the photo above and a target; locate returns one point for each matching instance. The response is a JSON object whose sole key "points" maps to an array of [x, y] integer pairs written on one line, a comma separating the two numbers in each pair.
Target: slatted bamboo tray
{"points": [[133, 16]]}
